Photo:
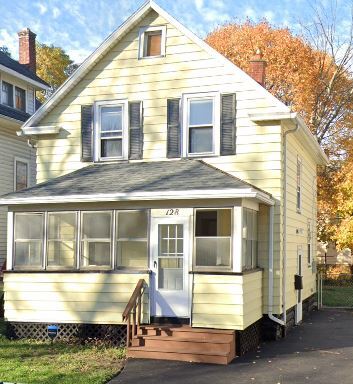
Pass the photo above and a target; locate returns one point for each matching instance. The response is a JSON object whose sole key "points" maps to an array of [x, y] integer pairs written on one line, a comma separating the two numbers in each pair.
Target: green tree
{"points": [[53, 66]]}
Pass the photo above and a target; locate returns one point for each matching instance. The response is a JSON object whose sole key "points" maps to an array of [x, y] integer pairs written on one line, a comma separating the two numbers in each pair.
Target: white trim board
{"points": [[37, 84], [134, 196]]}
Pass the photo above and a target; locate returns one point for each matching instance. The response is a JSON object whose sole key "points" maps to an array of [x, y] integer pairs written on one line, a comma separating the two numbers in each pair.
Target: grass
{"points": [[335, 296], [28, 361]]}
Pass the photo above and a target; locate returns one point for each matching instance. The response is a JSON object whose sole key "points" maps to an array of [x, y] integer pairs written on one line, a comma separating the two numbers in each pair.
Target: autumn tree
{"points": [[54, 66]]}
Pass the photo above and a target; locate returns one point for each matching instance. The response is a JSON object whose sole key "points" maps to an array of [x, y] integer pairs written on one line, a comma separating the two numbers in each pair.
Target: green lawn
{"points": [[334, 296], [25, 361]]}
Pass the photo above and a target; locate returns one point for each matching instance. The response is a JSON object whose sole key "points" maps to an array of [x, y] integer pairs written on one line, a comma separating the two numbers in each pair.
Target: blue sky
{"points": [[79, 26]]}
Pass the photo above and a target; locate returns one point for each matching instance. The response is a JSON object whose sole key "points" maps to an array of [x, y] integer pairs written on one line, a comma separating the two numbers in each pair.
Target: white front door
{"points": [[299, 305], [170, 260]]}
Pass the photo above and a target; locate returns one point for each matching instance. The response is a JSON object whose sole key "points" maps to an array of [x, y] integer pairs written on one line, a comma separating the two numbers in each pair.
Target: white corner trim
{"points": [[42, 130], [10, 233], [11, 72], [133, 196]]}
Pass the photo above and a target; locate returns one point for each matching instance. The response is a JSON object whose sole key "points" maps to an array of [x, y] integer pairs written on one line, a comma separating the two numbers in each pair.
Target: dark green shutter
{"points": [[174, 128], [135, 130], [228, 126], [87, 133]]}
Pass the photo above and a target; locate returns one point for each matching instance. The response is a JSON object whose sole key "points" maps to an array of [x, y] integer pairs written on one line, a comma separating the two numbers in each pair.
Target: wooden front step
{"points": [[184, 344]]}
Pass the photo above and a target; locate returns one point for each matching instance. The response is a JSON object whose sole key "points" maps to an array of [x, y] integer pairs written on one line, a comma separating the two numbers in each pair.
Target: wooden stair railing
{"points": [[133, 309]]}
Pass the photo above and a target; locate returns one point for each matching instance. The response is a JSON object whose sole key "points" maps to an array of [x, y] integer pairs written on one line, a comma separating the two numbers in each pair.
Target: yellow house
{"points": [[169, 177]]}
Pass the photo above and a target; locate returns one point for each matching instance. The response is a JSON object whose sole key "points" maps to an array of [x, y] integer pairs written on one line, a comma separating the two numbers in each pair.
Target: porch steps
{"points": [[183, 343]]}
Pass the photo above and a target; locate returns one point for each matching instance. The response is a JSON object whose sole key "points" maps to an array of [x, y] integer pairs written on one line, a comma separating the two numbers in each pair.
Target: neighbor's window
{"points": [[299, 180], [201, 124], [7, 94], [249, 239], [152, 42], [28, 239], [20, 99], [111, 127], [61, 249], [21, 174], [213, 230], [309, 243], [132, 246], [96, 239]]}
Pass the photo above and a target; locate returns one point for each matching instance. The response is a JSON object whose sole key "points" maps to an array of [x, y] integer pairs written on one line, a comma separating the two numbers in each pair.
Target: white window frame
{"points": [[215, 268], [21, 160], [125, 131], [299, 185], [13, 94], [186, 98], [143, 41]]}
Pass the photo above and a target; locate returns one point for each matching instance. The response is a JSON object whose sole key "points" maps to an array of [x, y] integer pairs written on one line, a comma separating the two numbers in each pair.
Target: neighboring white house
{"points": [[18, 85]]}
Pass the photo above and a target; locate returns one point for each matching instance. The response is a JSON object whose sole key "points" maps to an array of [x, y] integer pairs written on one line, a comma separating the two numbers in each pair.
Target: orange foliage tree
{"points": [[314, 79]]}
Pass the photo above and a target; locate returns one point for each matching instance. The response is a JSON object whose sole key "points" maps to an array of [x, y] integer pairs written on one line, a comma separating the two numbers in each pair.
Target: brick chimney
{"points": [[27, 49], [258, 68]]}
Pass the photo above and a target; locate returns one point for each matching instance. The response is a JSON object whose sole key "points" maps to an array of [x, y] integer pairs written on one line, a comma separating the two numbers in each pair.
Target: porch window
{"points": [[213, 238], [28, 239], [96, 239], [61, 249], [249, 241], [132, 244]]}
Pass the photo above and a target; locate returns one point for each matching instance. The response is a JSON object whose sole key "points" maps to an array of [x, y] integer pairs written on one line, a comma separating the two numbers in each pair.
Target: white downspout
{"points": [[270, 269], [284, 250]]}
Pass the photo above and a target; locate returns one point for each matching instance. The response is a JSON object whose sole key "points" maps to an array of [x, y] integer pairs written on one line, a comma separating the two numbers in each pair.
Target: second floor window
{"points": [[111, 130], [21, 174], [201, 124], [20, 99], [7, 94]]}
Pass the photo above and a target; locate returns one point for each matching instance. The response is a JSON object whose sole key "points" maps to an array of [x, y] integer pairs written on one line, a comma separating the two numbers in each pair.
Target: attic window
{"points": [[152, 42]]}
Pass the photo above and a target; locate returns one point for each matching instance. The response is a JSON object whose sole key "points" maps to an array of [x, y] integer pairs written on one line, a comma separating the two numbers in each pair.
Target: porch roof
{"points": [[157, 180]]}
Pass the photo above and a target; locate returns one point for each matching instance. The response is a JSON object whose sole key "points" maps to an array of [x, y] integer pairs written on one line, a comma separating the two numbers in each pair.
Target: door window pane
{"points": [[96, 239], [213, 238], [170, 256], [61, 239], [28, 239], [132, 244]]}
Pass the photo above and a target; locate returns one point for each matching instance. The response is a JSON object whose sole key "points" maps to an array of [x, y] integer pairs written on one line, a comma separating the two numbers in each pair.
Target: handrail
{"points": [[133, 306]]}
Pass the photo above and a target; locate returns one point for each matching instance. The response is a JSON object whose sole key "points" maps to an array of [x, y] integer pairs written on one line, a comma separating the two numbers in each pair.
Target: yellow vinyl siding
{"points": [[186, 68], [297, 222], [227, 301], [70, 297]]}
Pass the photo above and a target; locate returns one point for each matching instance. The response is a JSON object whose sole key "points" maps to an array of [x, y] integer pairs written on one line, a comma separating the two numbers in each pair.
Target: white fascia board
{"points": [[297, 119], [114, 38], [41, 130], [35, 83], [135, 196]]}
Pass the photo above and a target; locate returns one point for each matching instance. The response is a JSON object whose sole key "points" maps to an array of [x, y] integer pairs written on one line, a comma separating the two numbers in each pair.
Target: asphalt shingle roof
{"points": [[13, 113], [10, 63], [159, 176]]}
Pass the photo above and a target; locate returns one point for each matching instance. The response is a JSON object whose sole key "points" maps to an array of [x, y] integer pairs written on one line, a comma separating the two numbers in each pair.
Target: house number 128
{"points": [[172, 212]]}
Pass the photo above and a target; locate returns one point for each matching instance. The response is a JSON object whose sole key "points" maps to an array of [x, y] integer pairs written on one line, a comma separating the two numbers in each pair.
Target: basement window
{"points": [[152, 42], [213, 229]]}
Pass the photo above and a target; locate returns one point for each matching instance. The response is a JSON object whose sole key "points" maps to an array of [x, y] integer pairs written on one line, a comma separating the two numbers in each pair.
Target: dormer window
{"points": [[152, 42], [7, 94], [111, 130]]}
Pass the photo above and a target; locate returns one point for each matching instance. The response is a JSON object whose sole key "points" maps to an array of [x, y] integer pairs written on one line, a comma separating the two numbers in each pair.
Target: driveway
{"points": [[318, 351]]}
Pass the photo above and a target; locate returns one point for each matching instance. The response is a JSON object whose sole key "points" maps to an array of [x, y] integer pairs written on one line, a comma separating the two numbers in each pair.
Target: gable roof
{"points": [[181, 179], [15, 66], [112, 39]]}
